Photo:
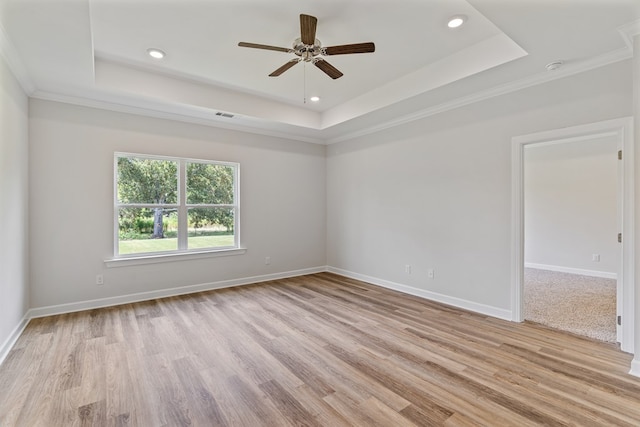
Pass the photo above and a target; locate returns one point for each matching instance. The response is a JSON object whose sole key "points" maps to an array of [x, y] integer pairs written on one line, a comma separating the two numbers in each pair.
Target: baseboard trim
{"points": [[635, 367], [560, 269], [163, 293], [488, 310], [8, 344]]}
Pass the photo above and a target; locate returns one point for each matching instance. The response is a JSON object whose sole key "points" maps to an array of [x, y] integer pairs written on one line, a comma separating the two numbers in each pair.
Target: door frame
{"points": [[622, 130]]}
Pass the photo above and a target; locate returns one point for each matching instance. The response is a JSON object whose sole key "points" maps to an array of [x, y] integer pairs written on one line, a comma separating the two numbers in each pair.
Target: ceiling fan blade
{"points": [[284, 68], [350, 48], [328, 69], [308, 26], [264, 46]]}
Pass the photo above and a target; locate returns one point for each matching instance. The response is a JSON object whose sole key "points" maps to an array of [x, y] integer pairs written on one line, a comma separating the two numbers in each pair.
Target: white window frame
{"points": [[183, 252]]}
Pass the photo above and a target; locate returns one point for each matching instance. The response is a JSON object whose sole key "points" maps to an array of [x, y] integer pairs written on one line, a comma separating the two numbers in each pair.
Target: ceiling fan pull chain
{"points": [[304, 83]]}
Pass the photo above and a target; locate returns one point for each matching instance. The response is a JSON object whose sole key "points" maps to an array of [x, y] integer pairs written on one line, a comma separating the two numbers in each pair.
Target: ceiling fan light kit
{"points": [[308, 48]]}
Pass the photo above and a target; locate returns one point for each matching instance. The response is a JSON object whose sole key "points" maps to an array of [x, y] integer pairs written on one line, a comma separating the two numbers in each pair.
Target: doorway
{"points": [[619, 130], [571, 255]]}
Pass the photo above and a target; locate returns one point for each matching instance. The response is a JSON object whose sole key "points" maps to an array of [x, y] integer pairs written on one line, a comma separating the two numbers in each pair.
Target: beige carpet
{"points": [[581, 305]]}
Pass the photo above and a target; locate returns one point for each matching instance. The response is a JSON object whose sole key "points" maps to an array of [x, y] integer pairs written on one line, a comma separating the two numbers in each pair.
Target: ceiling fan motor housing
{"points": [[305, 51]]}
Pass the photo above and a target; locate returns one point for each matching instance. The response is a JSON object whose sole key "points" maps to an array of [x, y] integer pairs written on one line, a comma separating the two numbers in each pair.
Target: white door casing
{"points": [[622, 131]]}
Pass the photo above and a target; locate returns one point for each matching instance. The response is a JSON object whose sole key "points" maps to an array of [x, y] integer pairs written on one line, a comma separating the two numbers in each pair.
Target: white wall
{"points": [[436, 193], [571, 205], [635, 364], [14, 255], [71, 199]]}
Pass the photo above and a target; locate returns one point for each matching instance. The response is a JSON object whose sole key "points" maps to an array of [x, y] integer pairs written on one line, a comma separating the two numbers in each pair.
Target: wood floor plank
{"points": [[93, 414], [172, 408], [317, 350], [141, 393], [200, 401], [288, 405], [352, 382], [20, 376], [117, 378], [321, 410], [353, 411]]}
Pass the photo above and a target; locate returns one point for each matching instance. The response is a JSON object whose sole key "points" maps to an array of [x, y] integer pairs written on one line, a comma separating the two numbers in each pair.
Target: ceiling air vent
{"points": [[225, 115]]}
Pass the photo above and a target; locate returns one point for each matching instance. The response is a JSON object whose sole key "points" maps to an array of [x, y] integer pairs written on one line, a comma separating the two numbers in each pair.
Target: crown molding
{"points": [[17, 67], [180, 113], [566, 71], [629, 31], [196, 115]]}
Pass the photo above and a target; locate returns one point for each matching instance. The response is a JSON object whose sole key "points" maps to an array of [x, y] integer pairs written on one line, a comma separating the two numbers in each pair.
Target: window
{"points": [[174, 205]]}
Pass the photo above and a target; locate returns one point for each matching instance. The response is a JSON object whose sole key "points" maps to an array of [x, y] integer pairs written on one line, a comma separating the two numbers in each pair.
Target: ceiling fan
{"points": [[309, 49]]}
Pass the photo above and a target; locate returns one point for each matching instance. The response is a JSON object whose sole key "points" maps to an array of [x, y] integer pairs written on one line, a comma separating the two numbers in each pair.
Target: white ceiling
{"points": [[93, 52]]}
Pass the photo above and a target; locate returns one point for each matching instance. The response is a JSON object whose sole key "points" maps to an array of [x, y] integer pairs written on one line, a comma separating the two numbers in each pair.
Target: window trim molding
{"points": [[162, 257], [182, 207]]}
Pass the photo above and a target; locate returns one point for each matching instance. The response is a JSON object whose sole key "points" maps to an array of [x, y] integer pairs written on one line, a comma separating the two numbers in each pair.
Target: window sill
{"points": [[161, 258]]}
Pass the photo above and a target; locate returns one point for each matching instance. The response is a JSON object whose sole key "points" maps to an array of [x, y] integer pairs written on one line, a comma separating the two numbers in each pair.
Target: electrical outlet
{"points": [[595, 257], [407, 269], [267, 260], [431, 273], [99, 280]]}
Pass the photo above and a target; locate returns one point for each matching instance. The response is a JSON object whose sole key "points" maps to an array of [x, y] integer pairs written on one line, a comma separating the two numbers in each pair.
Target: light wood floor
{"points": [[318, 350]]}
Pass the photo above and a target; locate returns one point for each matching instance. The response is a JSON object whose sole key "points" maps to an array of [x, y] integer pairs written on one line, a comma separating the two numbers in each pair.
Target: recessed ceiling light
{"points": [[155, 53], [314, 99], [456, 21]]}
